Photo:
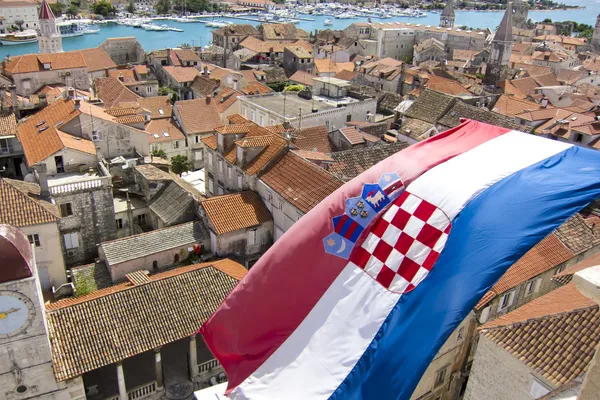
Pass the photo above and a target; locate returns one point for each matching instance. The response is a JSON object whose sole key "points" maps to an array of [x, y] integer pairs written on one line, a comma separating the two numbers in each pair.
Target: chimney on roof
{"points": [[70, 93], [77, 105], [42, 176], [544, 102], [15, 100], [205, 71], [4, 97], [208, 99]]}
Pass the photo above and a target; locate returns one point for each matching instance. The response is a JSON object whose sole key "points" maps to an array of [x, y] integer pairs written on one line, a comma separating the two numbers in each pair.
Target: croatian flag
{"points": [[355, 300]]}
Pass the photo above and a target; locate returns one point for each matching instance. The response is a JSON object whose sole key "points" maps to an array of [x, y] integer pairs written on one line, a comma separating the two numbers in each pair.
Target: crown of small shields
{"points": [[360, 211]]}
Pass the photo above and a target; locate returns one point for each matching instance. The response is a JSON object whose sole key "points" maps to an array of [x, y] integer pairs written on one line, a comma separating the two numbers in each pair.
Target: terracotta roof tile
{"points": [[185, 55], [300, 182], [578, 234], [82, 330], [198, 115], [8, 123], [275, 147], [235, 129], [526, 86], [277, 129], [76, 143], [314, 138], [157, 128], [113, 92], [282, 32], [447, 86], [204, 86], [37, 145], [130, 119], [257, 141], [545, 255], [556, 334], [430, 106], [237, 119], [181, 74], [325, 65], [351, 163], [510, 106], [313, 155], [256, 88], [226, 98], [345, 75], [34, 62], [97, 59], [159, 106], [232, 212], [21, 205], [565, 276], [302, 77], [210, 141], [123, 111]]}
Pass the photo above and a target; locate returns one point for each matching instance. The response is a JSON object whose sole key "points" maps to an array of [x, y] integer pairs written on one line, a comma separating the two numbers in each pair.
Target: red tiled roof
{"points": [[226, 98], [545, 255], [37, 145], [198, 115], [556, 334], [300, 182], [233, 212], [565, 276]]}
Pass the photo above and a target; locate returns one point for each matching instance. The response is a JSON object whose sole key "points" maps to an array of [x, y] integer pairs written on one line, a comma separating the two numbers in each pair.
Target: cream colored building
{"points": [[12, 11], [38, 219], [25, 355]]}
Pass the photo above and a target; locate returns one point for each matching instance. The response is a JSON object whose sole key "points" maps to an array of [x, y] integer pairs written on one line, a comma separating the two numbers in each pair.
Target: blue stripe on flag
{"points": [[490, 234]]}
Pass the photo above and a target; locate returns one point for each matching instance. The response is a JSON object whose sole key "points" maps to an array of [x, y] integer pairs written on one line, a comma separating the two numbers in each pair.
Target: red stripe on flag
{"points": [[281, 289]]}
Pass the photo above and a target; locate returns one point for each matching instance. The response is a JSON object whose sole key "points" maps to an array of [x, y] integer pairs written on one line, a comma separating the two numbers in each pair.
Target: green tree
{"points": [[547, 21], [57, 8], [180, 164], [162, 7], [159, 153], [20, 23], [72, 10], [103, 7], [294, 88], [130, 7]]}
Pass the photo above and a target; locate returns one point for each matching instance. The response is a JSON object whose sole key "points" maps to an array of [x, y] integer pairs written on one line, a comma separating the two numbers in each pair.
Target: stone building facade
{"points": [[87, 217], [25, 354], [125, 50]]}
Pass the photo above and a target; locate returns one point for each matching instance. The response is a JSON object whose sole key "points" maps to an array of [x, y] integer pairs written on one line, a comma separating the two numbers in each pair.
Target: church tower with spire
{"points": [[596, 35], [49, 38], [447, 17], [520, 14], [502, 45]]}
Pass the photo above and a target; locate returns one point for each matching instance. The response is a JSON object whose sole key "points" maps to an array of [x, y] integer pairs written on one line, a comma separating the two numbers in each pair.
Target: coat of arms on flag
{"points": [[399, 245]]}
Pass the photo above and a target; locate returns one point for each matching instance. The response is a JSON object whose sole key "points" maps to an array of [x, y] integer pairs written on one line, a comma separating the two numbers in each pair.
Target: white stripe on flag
{"points": [[325, 347], [453, 184]]}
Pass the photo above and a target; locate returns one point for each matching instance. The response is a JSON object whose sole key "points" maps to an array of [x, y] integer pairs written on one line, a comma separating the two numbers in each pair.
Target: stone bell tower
{"points": [[49, 38], [447, 17], [502, 45]]}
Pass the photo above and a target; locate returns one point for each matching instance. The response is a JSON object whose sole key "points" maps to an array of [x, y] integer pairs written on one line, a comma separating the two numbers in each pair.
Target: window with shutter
{"points": [[484, 315]]}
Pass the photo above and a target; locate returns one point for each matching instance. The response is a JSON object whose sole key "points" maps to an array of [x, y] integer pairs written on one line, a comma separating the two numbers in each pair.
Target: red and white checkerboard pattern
{"points": [[403, 244]]}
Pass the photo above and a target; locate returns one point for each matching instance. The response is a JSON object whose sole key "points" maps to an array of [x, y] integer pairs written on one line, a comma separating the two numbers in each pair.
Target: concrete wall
{"points": [[48, 256], [228, 178], [73, 161], [284, 213], [93, 218], [164, 259], [497, 375], [234, 245], [115, 139], [30, 82], [124, 50], [125, 231], [26, 13], [395, 43], [334, 118], [25, 358]]}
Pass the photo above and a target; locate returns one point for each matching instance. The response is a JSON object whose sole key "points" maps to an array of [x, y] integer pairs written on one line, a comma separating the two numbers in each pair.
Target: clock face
{"points": [[16, 313]]}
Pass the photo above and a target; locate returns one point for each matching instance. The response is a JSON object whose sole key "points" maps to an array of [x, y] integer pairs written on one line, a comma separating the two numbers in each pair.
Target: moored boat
{"points": [[11, 39]]}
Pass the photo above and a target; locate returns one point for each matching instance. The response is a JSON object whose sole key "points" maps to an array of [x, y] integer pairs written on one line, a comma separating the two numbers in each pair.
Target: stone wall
{"points": [[125, 50], [93, 218], [234, 245], [497, 375]]}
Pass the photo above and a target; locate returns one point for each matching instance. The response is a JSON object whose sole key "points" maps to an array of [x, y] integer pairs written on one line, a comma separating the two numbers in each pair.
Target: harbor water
{"points": [[199, 34]]}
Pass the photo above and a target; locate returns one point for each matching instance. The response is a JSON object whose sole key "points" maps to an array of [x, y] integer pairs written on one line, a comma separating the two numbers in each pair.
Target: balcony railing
{"points": [[142, 391], [208, 365], [139, 392]]}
